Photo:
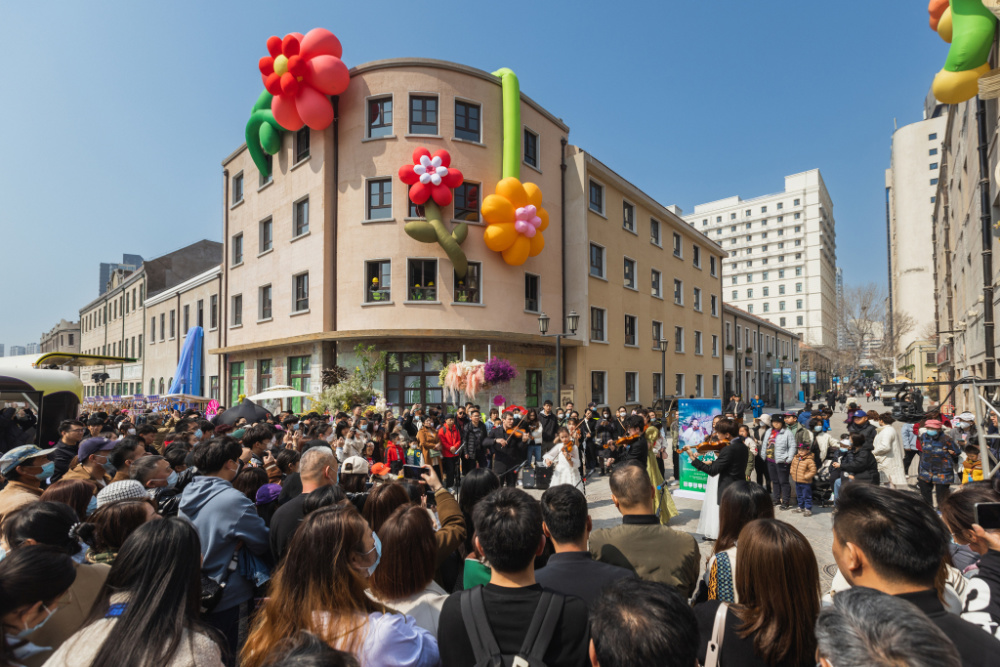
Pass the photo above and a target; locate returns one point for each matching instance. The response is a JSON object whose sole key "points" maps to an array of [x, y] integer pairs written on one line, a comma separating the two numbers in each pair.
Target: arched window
{"points": [[152, 386], [161, 387]]}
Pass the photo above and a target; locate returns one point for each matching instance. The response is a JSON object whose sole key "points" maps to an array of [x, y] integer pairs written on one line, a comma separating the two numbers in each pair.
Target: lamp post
{"points": [[663, 374], [573, 321]]}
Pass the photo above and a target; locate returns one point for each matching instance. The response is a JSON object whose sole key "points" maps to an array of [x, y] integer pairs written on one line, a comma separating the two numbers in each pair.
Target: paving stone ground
{"points": [[817, 528]]}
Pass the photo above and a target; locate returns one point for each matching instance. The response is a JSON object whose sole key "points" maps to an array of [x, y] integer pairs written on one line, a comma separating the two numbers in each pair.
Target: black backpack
{"points": [[536, 641]]}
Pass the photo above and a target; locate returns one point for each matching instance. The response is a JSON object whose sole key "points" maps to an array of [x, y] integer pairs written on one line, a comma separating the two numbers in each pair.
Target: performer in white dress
{"points": [[565, 456], [708, 522]]}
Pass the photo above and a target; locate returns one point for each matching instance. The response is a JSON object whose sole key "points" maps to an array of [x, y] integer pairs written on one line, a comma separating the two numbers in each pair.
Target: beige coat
{"points": [[654, 552], [71, 614], [16, 495]]}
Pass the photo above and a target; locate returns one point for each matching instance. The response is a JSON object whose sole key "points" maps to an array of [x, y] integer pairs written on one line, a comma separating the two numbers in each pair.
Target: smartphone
{"points": [[413, 472], [988, 515]]}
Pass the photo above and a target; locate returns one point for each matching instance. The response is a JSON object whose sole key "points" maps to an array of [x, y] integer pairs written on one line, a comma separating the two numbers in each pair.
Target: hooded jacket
{"points": [[224, 517]]}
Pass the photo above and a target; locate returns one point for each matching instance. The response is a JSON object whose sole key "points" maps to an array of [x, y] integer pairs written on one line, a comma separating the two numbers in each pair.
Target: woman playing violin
{"points": [[565, 456]]}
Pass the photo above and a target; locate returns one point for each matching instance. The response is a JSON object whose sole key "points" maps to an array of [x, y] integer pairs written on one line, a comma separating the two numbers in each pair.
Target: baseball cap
{"points": [[93, 445], [267, 493], [128, 489], [380, 469], [966, 417], [19, 455], [354, 465], [932, 423]]}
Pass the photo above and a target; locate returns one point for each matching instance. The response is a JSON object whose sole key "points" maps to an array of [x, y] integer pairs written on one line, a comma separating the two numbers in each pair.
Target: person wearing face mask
{"points": [[224, 519], [95, 464], [125, 452], [320, 587], [32, 581], [160, 482], [938, 456], [24, 468], [888, 451], [964, 431]]}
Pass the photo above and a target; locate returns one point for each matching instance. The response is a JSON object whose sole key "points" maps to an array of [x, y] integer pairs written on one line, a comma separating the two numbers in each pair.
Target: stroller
{"points": [[822, 484]]}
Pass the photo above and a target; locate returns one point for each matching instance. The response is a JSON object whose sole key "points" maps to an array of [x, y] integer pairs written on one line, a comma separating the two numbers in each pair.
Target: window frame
{"points": [[604, 261], [631, 321], [369, 292], [635, 267], [594, 374], [626, 206], [634, 377], [436, 297], [479, 204], [538, 292], [301, 156], [268, 224], [296, 310], [525, 131], [296, 233], [368, 119], [478, 289], [237, 179], [479, 134], [678, 292], [656, 286], [265, 298], [604, 324], [369, 208], [678, 247], [590, 198], [237, 250], [410, 114], [236, 313]]}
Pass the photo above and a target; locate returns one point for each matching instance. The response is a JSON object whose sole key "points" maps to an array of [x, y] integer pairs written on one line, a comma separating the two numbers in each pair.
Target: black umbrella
{"points": [[248, 410]]}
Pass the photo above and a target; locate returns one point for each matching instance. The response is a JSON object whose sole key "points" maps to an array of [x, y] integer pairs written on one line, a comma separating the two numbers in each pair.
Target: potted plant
{"points": [[729, 348], [769, 355], [749, 350]]}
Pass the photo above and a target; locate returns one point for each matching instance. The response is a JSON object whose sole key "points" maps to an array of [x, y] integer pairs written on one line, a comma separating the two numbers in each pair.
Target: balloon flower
{"points": [[300, 72], [967, 25], [431, 179]]}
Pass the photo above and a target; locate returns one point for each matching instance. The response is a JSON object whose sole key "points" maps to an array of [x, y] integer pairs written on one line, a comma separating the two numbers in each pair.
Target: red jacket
{"points": [[394, 452], [451, 440]]}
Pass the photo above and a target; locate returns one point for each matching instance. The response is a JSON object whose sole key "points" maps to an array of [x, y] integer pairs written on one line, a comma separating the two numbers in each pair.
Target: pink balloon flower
{"points": [[526, 220]]}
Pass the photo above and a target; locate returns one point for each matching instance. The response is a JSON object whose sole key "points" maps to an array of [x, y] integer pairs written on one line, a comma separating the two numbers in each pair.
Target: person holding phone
{"points": [[972, 514]]}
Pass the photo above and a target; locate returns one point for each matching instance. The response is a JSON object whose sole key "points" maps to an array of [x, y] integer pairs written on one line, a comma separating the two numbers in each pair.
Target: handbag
{"points": [[718, 631], [212, 590]]}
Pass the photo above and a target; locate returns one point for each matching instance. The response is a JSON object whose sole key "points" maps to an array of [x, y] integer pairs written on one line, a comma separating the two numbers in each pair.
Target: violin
{"points": [[713, 444], [622, 441], [517, 432]]}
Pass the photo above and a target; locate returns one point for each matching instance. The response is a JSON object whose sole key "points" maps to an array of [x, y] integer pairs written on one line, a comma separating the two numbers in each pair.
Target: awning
{"points": [[57, 359]]}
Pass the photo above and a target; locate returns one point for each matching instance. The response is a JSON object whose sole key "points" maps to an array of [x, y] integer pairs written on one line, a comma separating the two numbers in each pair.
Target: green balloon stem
{"points": [[511, 122], [263, 134], [972, 35], [448, 241]]}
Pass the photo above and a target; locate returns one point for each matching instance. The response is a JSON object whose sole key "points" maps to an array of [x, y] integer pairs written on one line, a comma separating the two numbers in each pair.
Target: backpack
{"points": [[536, 641]]}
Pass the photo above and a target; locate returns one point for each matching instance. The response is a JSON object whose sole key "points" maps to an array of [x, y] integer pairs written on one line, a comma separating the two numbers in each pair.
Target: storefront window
{"points": [[298, 376], [415, 377]]}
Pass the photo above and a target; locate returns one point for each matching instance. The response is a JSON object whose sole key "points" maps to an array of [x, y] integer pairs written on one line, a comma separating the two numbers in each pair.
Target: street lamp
{"points": [[572, 321], [663, 374]]}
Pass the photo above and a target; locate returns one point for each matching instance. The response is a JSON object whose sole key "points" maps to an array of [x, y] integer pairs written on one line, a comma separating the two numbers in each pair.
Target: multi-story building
{"points": [[1, 349], [63, 337], [170, 315], [18, 350], [782, 255], [317, 259], [114, 324], [128, 264], [761, 359], [31, 348]]}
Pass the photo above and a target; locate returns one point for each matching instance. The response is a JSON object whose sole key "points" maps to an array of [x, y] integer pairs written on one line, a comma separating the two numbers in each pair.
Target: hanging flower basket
{"points": [[499, 371], [462, 378]]}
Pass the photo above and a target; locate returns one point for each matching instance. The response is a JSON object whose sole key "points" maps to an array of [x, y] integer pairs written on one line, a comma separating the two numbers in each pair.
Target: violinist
{"points": [[633, 446], [509, 445], [565, 457], [620, 423], [534, 427]]}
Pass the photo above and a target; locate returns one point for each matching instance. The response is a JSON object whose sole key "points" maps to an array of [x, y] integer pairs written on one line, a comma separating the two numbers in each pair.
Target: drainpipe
{"points": [[986, 225], [224, 296], [336, 197], [562, 259]]}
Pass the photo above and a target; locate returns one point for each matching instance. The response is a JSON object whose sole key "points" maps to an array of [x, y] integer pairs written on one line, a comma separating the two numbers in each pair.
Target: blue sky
{"points": [[116, 115]]}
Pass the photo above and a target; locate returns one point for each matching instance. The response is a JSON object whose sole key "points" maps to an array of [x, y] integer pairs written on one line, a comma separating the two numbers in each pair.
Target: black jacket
{"points": [[513, 452], [638, 451], [730, 466], [577, 573], [868, 430], [737, 408], [976, 648], [861, 463], [550, 425], [62, 457], [473, 437]]}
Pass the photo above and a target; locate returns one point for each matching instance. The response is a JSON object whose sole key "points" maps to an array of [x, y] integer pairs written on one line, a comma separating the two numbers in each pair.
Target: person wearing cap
{"points": [[93, 455], [860, 424], [24, 468], [963, 430], [353, 479], [938, 457], [381, 471], [129, 489]]}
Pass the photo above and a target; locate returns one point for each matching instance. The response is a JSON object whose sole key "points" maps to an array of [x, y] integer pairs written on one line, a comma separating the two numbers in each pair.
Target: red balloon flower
{"points": [[300, 73], [430, 176]]}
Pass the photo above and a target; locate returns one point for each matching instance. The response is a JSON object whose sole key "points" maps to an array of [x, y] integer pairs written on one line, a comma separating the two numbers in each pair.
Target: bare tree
{"points": [[861, 315]]}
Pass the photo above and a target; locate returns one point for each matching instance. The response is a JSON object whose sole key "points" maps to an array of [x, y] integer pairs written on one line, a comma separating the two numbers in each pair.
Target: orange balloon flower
{"points": [[515, 221]]}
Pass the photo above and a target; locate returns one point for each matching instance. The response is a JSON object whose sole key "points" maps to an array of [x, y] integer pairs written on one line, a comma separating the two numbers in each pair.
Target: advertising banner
{"points": [[695, 417], [812, 377]]}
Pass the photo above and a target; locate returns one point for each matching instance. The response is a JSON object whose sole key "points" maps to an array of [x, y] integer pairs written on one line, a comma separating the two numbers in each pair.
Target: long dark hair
{"points": [[77, 493], [163, 600], [741, 503], [35, 573], [45, 522], [478, 484]]}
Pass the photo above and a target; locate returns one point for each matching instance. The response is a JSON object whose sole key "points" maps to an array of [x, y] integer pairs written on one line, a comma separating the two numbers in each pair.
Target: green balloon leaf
{"points": [[263, 134]]}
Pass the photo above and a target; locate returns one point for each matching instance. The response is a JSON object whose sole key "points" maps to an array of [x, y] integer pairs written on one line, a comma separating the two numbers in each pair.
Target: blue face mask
{"points": [[48, 470], [92, 506], [378, 553], [198, 433], [3, 553], [27, 631], [932, 432], [172, 478]]}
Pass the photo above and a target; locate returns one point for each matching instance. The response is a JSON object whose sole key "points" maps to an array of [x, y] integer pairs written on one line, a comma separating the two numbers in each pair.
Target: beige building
{"points": [[757, 353], [317, 260], [63, 337], [170, 315]]}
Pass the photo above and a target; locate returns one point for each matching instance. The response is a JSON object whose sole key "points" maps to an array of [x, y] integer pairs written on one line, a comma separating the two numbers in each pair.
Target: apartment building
{"points": [[63, 337], [782, 255], [317, 259], [761, 359]]}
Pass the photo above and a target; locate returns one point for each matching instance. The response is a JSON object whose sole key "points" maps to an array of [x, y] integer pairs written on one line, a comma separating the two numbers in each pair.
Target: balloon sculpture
{"points": [[299, 75], [514, 215], [968, 26]]}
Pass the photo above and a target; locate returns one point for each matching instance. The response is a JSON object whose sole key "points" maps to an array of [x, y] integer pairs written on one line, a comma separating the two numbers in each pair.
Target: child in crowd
{"points": [[802, 472], [395, 452], [972, 467]]}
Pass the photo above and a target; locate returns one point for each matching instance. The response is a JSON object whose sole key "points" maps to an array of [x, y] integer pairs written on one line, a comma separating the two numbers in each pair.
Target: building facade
{"points": [[63, 337], [317, 258], [761, 359], [782, 255], [18, 350], [128, 264]]}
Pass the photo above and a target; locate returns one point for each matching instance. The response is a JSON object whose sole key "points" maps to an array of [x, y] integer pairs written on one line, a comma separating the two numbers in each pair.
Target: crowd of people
{"points": [[375, 539]]}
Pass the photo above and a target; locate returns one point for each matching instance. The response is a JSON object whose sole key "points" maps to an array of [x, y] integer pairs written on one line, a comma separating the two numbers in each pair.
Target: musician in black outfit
{"points": [[509, 450], [635, 451]]}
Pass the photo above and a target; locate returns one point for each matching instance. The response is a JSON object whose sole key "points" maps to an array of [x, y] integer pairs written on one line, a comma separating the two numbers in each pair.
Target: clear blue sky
{"points": [[115, 116]]}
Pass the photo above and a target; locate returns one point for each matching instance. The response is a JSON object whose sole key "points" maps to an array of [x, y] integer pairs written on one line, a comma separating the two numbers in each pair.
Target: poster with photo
{"points": [[695, 415]]}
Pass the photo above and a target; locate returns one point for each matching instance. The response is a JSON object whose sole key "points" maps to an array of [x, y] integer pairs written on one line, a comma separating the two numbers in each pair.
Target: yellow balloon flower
{"points": [[515, 221]]}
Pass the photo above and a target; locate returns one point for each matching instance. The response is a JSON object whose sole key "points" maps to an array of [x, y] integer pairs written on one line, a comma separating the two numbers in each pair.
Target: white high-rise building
{"points": [[782, 255], [32, 348]]}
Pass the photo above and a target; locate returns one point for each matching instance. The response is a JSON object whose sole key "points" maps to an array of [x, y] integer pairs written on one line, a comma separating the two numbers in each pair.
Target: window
{"points": [[656, 284], [631, 387], [711, 266], [798, 287], [423, 114], [696, 256], [654, 231], [932, 137], [530, 148], [379, 199], [467, 124], [798, 229], [596, 261], [263, 180], [301, 217], [715, 383], [264, 374], [781, 273], [934, 181], [698, 343], [795, 203], [781, 289], [596, 197], [657, 334], [415, 379], [933, 199], [533, 389], [379, 117], [630, 324], [679, 340], [597, 330], [187, 318], [767, 291], [628, 216], [697, 299], [715, 345], [238, 188], [139, 355], [736, 295], [152, 330], [798, 304], [678, 292], [173, 324], [414, 211], [797, 216], [781, 321], [767, 307], [732, 216], [798, 270], [798, 320], [266, 235], [237, 249], [299, 377], [301, 144], [378, 281], [237, 307], [934, 165], [421, 276], [467, 202], [300, 293], [598, 385], [237, 370], [657, 385], [468, 289], [531, 293], [213, 312], [699, 385], [729, 333], [781, 305], [678, 249], [750, 293], [679, 384], [629, 273], [264, 299], [201, 313]]}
